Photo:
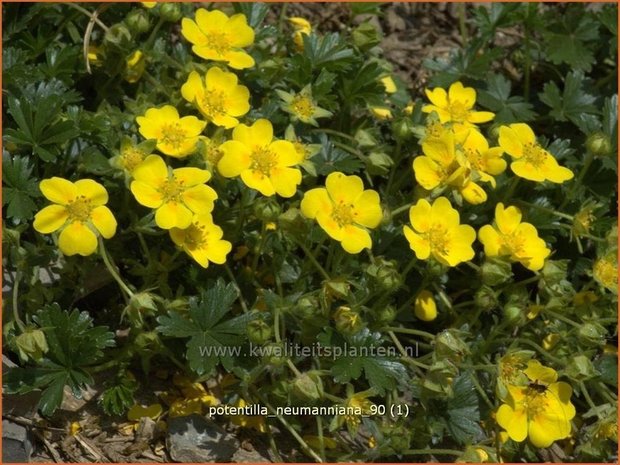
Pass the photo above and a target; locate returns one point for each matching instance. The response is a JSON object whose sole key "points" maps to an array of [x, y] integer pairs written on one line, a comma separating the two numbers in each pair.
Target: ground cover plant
{"points": [[208, 206]]}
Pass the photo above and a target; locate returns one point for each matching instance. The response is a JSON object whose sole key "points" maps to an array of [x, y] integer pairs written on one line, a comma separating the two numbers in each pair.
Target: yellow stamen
{"points": [[79, 209]]}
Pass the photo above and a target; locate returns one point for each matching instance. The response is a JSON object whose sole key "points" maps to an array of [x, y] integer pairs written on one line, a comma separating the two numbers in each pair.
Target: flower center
{"points": [[218, 41], [79, 209], [439, 238], [606, 273], [173, 135], [434, 130], [212, 153], [343, 214], [132, 157], [475, 158], [534, 154], [171, 189], [458, 111], [195, 237], [302, 106], [263, 161], [213, 103], [536, 402]]}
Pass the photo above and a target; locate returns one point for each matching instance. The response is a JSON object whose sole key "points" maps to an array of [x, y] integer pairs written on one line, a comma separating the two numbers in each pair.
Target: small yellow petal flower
{"points": [[176, 136], [513, 238], [302, 106], [175, 194], [436, 230], [605, 271], [247, 421], [532, 162], [79, 213], [218, 96], [149, 5], [217, 37], [344, 210], [388, 83], [134, 67], [381, 113], [263, 163], [456, 106], [425, 307], [302, 27], [202, 241]]}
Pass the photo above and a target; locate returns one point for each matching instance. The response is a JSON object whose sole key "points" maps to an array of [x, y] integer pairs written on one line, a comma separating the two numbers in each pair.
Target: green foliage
{"points": [[19, 189], [205, 329]]}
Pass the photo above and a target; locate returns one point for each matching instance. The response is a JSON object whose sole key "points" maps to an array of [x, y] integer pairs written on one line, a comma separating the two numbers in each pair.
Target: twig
{"points": [[50, 448]]}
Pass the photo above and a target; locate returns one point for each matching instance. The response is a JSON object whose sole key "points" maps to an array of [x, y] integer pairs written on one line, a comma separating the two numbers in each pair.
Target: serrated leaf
{"points": [[52, 396], [497, 98], [572, 103], [209, 336], [255, 13], [462, 412], [18, 188], [569, 45], [329, 52], [331, 159]]}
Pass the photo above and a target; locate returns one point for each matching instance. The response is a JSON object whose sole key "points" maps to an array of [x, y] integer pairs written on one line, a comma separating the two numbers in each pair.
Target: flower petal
{"points": [[199, 199], [286, 153], [526, 170], [285, 181], [513, 421], [367, 209], [459, 93], [510, 142], [92, 191], [193, 89], [490, 240], [507, 219], [261, 133], [152, 171], [104, 221], [344, 189], [58, 190], [331, 227], [355, 239], [315, 201], [420, 216], [242, 34], [438, 97], [417, 243], [50, 219], [257, 180], [173, 215], [146, 195], [235, 158], [192, 32], [77, 238], [427, 172], [190, 176], [239, 59]]}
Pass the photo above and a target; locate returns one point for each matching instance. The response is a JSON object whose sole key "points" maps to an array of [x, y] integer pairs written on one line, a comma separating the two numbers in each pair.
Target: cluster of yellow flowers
{"points": [[535, 404]]}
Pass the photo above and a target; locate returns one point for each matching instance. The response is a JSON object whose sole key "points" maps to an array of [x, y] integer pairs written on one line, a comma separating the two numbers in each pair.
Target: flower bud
{"points": [[117, 35], [550, 341], [267, 209], [599, 144], [385, 274], [554, 271], [580, 368], [592, 334], [307, 387], [138, 21], [170, 11], [425, 307], [513, 314], [259, 332], [336, 288], [365, 36], [449, 345], [348, 321], [148, 341], [306, 307], [496, 271], [398, 439], [485, 298], [385, 315], [403, 129], [31, 344], [134, 67], [378, 163], [274, 354]]}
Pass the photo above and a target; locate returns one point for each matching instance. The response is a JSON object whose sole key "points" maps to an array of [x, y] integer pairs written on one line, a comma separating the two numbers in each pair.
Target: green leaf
{"points": [[52, 396], [569, 44], [360, 354], [255, 13], [610, 118], [462, 413], [209, 336], [116, 400], [327, 52], [331, 159], [18, 188], [497, 98], [572, 103]]}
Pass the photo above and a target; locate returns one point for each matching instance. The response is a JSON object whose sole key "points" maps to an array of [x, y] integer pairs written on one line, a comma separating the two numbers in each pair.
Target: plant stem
{"points": [[546, 210], [527, 65], [313, 259], [562, 318], [93, 17], [414, 332], [532, 344], [433, 452], [463, 23], [403, 208], [153, 34], [584, 169], [112, 269], [483, 394], [319, 430], [16, 316], [511, 189], [230, 274]]}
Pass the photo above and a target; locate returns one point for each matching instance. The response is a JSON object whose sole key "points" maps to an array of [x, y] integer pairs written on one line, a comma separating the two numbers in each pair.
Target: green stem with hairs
{"points": [[112, 269]]}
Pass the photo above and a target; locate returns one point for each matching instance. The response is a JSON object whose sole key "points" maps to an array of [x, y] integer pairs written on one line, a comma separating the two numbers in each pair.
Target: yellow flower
{"points": [[605, 271], [390, 86], [176, 137], [219, 98], [584, 298], [136, 412], [217, 37], [381, 113], [211, 152], [532, 161], [456, 106], [264, 164], [550, 341], [486, 161], [437, 231], [131, 155], [358, 402], [344, 210], [95, 54], [175, 194], [79, 210], [443, 165], [408, 110], [541, 410], [302, 27], [202, 240], [134, 66], [302, 107], [149, 4], [425, 307], [247, 421], [510, 237]]}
